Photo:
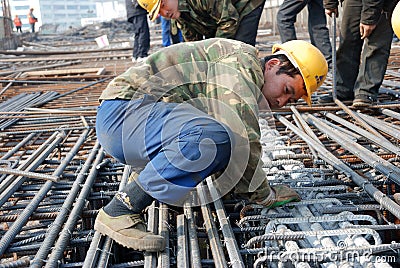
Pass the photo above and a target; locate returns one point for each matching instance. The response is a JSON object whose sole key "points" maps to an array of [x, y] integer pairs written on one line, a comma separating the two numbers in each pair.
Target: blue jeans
{"points": [[165, 32], [167, 35], [176, 144]]}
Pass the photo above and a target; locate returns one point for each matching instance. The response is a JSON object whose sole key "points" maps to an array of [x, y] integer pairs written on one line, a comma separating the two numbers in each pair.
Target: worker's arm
{"points": [[225, 15], [189, 34], [331, 6], [239, 89]]}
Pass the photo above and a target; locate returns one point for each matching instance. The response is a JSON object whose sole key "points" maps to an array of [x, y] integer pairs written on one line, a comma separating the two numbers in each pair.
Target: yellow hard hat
{"points": [[396, 20], [152, 6], [309, 60]]}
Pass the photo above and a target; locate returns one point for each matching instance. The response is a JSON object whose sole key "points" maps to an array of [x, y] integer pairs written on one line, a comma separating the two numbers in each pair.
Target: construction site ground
{"points": [[55, 176]]}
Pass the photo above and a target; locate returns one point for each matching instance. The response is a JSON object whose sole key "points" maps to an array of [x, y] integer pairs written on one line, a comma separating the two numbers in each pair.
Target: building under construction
{"points": [[55, 176]]}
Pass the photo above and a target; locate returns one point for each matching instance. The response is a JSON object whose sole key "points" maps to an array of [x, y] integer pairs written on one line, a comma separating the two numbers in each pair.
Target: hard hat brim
{"points": [[154, 12]]}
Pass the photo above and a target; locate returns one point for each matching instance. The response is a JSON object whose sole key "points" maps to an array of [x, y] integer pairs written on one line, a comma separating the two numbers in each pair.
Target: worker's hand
{"points": [[329, 12], [366, 30]]}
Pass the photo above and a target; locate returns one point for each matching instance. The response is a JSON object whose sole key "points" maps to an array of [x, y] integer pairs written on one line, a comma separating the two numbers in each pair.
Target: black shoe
{"points": [[325, 98], [329, 98]]}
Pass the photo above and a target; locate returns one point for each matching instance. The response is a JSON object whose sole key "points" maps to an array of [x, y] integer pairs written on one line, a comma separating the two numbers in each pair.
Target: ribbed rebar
{"points": [[377, 140], [29, 174], [11, 184], [386, 168], [24, 216], [382, 199], [229, 238], [65, 234], [302, 234], [53, 231], [23, 262], [212, 233]]}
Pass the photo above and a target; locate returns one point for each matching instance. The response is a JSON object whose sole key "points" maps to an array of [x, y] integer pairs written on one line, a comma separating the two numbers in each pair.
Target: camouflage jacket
{"points": [[219, 76], [213, 18]]}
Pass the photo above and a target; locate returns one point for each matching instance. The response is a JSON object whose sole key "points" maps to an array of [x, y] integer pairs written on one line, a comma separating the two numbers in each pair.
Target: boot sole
{"points": [[134, 243]]}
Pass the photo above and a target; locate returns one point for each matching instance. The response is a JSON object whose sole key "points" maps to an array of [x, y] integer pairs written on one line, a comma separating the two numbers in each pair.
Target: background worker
{"points": [[32, 19], [141, 32], [319, 33], [18, 23], [170, 32], [211, 18], [190, 111], [363, 53]]}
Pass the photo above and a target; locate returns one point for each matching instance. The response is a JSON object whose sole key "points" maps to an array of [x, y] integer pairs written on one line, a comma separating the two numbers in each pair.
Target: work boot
{"points": [[363, 101], [129, 231], [280, 195], [328, 98]]}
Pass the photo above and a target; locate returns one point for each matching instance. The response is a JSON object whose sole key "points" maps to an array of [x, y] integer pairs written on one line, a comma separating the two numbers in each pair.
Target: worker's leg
{"points": [[121, 219], [183, 144], [179, 146], [136, 44], [319, 33], [374, 61], [349, 51], [144, 36], [286, 17], [248, 26], [165, 32]]}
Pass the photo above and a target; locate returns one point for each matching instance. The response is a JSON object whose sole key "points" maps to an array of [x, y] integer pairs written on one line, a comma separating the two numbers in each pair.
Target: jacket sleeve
{"points": [[240, 89], [331, 4], [225, 15], [371, 11], [189, 34]]}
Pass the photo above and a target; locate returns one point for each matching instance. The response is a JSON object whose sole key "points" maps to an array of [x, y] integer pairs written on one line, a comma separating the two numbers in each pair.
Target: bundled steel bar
{"points": [[379, 124], [183, 245], [389, 170], [212, 233], [65, 234], [391, 113], [164, 257], [230, 241], [29, 174], [18, 146], [53, 231], [150, 258], [195, 259], [43, 98], [11, 184], [382, 199], [33, 205], [357, 118], [377, 140], [303, 234]]}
